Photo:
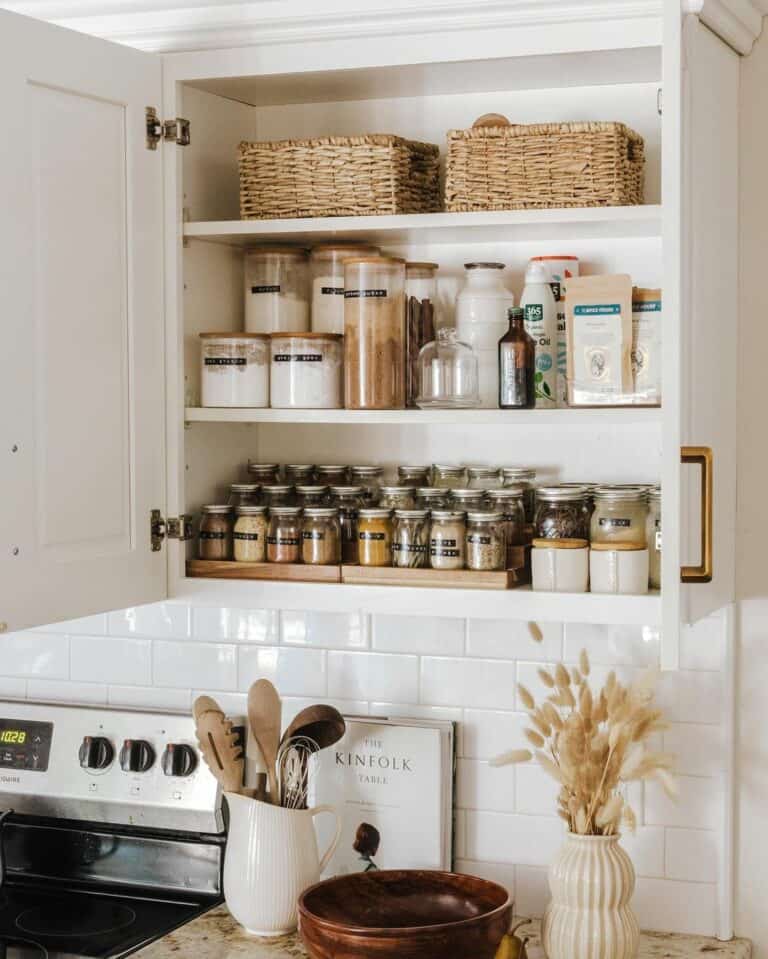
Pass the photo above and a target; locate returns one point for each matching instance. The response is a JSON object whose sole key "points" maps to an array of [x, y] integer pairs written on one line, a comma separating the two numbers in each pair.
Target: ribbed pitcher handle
{"points": [[335, 841]]}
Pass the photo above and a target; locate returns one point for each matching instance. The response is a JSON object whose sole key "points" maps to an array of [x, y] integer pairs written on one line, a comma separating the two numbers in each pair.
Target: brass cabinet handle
{"points": [[701, 455]]}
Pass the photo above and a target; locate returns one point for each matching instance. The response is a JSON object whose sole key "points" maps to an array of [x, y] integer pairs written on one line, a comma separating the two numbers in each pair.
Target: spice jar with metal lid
{"points": [[374, 537], [263, 473], [620, 514], [250, 534], [509, 502], [560, 513], [331, 475], [369, 477], [277, 494], [447, 539], [410, 538], [215, 533], [396, 497], [348, 500], [430, 497], [320, 536], [415, 476], [244, 494], [525, 477], [484, 477], [653, 536], [312, 495], [299, 474], [449, 477], [486, 542], [466, 499], [276, 289], [284, 535], [327, 263]]}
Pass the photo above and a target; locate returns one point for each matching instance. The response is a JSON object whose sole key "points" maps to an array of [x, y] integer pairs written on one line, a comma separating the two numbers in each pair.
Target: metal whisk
{"points": [[293, 761]]}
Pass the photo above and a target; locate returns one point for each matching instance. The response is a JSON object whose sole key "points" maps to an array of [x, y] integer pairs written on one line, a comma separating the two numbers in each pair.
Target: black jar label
{"points": [[480, 540], [443, 542], [454, 553], [608, 522], [372, 536], [212, 534], [272, 288], [283, 540], [332, 290], [364, 294], [313, 534], [297, 358], [248, 537], [409, 547], [225, 361]]}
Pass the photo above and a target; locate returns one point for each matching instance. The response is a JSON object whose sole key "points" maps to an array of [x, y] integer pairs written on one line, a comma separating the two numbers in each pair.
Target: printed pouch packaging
{"points": [[646, 346]]}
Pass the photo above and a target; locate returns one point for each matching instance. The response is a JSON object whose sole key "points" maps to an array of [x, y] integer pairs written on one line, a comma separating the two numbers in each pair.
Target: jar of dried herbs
{"points": [[250, 534], [449, 477], [415, 476], [396, 497], [284, 535], [215, 533], [348, 500], [466, 499], [331, 475], [447, 539], [299, 474], [509, 502], [263, 473], [620, 514], [277, 494], [320, 536], [311, 496], [244, 494], [653, 536], [561, 512], [484, 477], [486, 543], [374, 537], [370, 478], [525, 477], [429, 497], [410, 538]]}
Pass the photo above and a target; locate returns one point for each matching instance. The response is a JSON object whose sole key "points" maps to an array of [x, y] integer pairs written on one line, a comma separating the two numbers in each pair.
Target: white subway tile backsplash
{"points": [[501, 873], [480, 683], [691, 854], [527, 840], [413, 711], [233, 705], [480, 786], [207, 666], [150, 697], [698, 749], [60, 691], [690, 696], [535, 791], [423, 635], [295, 672], [43, 655], [486, 733], [702, 644], [698, 806], [314, 628], [531, 891], [511, 639], [645, 847], [613, 645], [373, 676], [155, 620], [85, 626], [666, 906], [96, 659], [219, 624]]}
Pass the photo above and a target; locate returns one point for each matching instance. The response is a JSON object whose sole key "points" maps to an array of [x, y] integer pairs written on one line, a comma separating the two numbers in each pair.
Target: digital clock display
{"points": [[13, 736], [25, 745]]}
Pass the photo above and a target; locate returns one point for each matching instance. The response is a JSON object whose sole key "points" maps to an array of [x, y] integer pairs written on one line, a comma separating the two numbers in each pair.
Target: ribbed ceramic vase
{"points": [[589, 916]]}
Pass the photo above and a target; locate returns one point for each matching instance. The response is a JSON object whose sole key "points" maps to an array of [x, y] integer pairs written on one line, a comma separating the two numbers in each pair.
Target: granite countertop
{"points": [[216, 935]]}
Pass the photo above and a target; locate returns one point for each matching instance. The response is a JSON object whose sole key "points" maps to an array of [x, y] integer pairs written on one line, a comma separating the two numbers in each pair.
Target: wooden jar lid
{"points": [[560, 543], [618, 547]]}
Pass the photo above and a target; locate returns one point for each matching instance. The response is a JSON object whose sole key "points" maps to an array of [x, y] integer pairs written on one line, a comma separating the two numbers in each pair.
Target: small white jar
{"points": [[306, 371], [619, 568], [560, 565], [234, 370]]}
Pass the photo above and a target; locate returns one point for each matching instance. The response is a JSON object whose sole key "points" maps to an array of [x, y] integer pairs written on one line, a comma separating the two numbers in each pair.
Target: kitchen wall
{"points": [[162, 655]]}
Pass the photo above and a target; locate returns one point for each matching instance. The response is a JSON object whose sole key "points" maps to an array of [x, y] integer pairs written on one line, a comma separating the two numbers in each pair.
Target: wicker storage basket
{"points": [[499, 166], [338, 176]]}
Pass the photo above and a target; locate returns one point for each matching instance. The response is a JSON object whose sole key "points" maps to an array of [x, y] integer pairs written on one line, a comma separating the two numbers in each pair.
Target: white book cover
{"points": [[391, 782]]}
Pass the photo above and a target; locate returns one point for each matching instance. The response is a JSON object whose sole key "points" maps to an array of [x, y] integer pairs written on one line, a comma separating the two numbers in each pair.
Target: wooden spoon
{"points": [[324, 725], [218, 744], [264, 714]]}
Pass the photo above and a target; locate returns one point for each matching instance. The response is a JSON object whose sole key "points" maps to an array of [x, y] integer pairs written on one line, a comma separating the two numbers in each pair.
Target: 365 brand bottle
{"points": [[517, 359], [540, 312]]}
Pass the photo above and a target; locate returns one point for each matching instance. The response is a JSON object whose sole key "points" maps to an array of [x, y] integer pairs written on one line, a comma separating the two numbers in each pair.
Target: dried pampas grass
{"points": [[592, 744]]}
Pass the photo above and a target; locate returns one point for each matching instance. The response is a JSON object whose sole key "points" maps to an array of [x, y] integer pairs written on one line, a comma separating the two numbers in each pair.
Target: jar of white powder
{"points": [[306, 371], [234, 369], [327, 265], [276, 290]]}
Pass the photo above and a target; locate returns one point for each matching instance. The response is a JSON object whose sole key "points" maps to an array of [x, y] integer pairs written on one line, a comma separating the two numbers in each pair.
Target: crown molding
{"points": [[737, 22], [186, 25]]}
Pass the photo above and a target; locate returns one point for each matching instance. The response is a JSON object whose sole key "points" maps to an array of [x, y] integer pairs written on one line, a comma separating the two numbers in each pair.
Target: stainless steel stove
{"points": [[117, 835]]}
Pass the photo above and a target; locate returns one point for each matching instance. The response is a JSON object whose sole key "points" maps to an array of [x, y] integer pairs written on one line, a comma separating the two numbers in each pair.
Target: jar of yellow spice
{"points": [[374, 537]]}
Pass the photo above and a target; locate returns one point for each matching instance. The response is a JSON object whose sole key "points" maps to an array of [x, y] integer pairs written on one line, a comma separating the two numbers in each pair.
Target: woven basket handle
{"points": [[491, 120]]}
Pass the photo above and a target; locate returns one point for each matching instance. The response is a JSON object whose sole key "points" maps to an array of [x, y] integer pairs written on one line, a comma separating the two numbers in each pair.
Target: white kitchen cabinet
{"points": [[113, 248]]}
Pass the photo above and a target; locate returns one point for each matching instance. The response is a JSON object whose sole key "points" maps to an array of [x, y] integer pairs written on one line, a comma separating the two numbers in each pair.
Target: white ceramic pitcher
{"points": [[271, 859]]}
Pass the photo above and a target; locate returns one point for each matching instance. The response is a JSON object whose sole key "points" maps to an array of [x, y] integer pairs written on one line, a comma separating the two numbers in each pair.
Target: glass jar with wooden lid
{"points": [[374, 333], [421, 280], [374, 537], [327, 265], [276, 289]]}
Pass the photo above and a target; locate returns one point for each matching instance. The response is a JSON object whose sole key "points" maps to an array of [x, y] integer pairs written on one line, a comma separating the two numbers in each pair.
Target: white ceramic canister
{"points": [[560, 565], [306, 371], [560, 270], [271, 859], [481, 321], [234, 370], [540, 313], [618, 568]]}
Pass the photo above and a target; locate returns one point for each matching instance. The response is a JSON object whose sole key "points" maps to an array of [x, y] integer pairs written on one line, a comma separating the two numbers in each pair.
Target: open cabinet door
{"points": [[81, 362]]}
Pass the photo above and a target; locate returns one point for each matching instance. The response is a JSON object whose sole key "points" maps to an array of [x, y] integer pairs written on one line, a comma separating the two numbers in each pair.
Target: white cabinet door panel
{"points": [[81, 367]]}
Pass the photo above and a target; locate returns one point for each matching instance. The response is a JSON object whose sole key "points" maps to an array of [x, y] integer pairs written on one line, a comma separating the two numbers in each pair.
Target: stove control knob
{"points": [[179, 760], [136, 756], [96, 752]]}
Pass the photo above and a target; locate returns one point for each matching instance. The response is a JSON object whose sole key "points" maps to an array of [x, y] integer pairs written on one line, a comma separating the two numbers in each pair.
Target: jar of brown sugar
{"points": [[284, 536], [250, 534], [215, 533], [374, 537], [320, 536]]}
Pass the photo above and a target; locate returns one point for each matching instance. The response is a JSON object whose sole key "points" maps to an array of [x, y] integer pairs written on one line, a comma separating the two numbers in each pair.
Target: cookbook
{"points": [[391, 781]]}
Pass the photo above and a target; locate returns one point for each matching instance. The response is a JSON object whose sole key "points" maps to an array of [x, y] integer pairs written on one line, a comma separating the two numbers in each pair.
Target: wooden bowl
{"points": [[404, 914]]}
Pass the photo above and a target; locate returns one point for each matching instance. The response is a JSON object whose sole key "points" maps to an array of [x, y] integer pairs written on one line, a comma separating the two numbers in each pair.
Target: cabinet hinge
{"points": [[176, 131], [175, 527]]}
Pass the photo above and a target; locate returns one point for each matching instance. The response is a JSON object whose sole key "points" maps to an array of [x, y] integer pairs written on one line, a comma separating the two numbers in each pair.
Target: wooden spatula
{"points": [[218, 744], [264, 714]]}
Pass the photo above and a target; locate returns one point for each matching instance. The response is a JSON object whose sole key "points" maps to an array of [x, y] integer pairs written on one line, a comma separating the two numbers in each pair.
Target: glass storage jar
{"points": [[244, 494], [421, 281], [449, 477], [560, 513], [306, 371], [327, 265], [447, 539], [215, 533], [410, 538], [348, 500], [486, 543], [430, 497], [299, 474], [374, 537], [396, 497], [369, 477], [509, 502], [331, 475], [374, 333], [448, 373], [284, 535], [415, 476], [276, 290], [234, 370], [484, 477], [320, 536], [620, 515], [525, 477], [466, 499], [250, 534], [277, 494], [263, 473], [653, 536], [311, 495]]}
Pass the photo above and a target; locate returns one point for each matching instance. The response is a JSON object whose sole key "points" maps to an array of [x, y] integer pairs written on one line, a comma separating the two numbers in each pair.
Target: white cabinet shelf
{"points": [[605, 223]]}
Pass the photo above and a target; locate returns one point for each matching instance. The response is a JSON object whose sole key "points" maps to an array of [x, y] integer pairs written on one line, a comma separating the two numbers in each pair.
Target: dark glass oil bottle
{"points": [[517, 357]]}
